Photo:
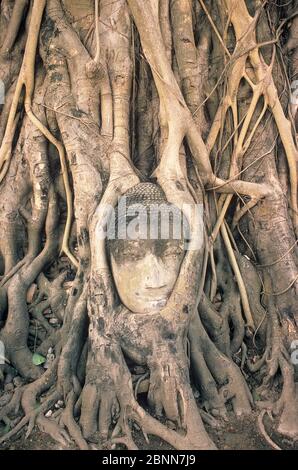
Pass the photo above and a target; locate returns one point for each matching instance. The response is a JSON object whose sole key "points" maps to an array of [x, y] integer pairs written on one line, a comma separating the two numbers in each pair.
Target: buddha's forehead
{"points": [[145, 200], [144, 214]]}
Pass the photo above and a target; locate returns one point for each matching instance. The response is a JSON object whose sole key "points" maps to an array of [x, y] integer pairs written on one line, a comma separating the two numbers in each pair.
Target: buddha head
{"points": [[147, 248]]}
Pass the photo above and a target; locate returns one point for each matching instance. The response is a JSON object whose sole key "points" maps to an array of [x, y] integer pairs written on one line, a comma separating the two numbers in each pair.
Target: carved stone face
{"points": [[145, 270]]}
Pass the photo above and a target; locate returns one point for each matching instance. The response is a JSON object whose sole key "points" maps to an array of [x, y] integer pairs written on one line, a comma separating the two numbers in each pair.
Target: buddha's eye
{"points": [[137, 255], [115, 251], [173, 251], [131, 251], [124, 253]]}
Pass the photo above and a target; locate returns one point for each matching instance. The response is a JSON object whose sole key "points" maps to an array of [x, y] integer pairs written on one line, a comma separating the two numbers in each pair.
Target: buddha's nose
{"points": [[156, 274]]}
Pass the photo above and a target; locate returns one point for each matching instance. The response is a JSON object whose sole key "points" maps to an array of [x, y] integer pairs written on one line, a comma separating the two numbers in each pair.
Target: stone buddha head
{"points": [[147, 248]]}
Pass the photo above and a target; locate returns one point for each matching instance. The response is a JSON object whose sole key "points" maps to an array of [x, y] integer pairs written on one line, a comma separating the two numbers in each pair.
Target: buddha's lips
{"points": [[153, 305], [157, 302], [154, 294]]}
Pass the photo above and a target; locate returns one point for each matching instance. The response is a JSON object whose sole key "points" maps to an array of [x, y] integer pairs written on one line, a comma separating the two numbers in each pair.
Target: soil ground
{"points": [[235, 435]]}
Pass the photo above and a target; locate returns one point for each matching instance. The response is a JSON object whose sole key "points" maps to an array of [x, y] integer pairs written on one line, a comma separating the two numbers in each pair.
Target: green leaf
{"points": [[6, 429], [37, 359], [256, 396]]}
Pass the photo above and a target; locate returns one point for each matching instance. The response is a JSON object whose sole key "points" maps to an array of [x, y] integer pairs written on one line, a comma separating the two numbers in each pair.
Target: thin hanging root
{"points": [[237, 72], [263, 431], [240, 144], [278, 260], [10, 137], [284, 290], [145, 386], [215, 28], [96, 21], [213, 287], [180, 120], [254, 367], [220, 219], [26, 78], [239, 278], [240, 149], [241, 212], [249, 205], [63, 163], [220, 225], [241, 20]]}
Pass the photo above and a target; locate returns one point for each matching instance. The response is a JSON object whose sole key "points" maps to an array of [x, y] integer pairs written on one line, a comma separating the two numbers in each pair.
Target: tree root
{"points": [[70, 423], [31, 417], [13, 26], [263, 431]]}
